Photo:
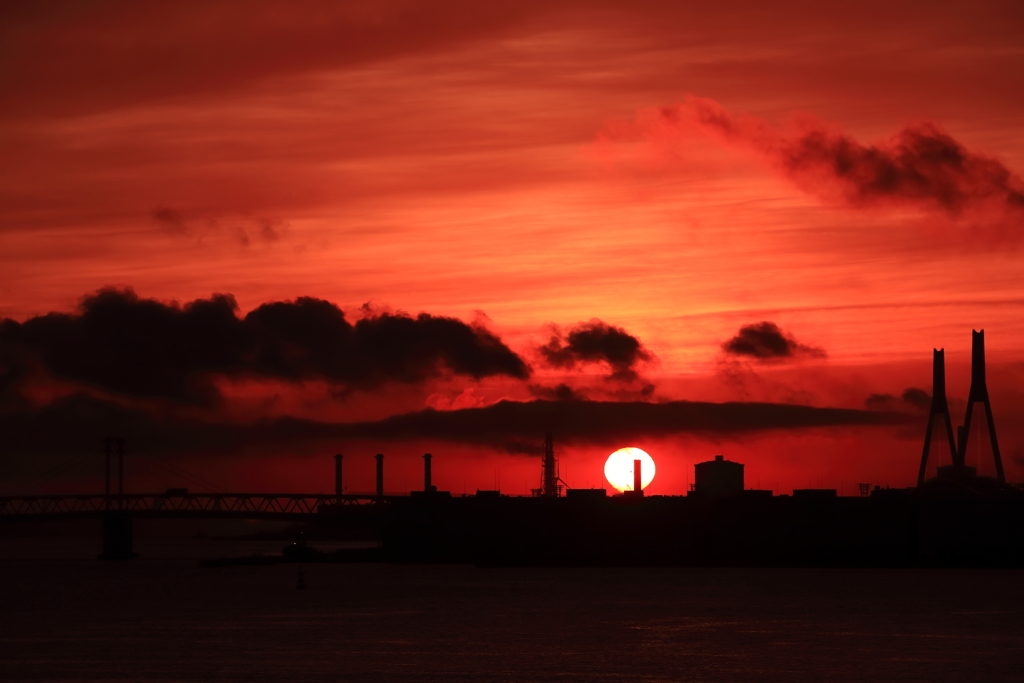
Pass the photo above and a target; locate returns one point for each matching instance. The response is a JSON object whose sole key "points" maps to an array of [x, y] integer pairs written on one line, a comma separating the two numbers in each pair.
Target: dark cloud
{"points": [[600, 421], [78, 423], [243, 231], [880, 402], [918, 398], [920, 166], [764, 341], [139, 347], [912, 398], [522, 447], [597, 342], [559, 392], [563, 392], [146, 348], [14, 366], [171, 220]]}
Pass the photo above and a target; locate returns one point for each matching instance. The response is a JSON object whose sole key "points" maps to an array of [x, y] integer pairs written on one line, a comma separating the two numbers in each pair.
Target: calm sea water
{"points": [[163, 618]]}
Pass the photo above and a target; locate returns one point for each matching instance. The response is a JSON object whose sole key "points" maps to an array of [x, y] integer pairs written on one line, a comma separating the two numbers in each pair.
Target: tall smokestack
{"points": [[939, 408], [637, 479], [337, 479], [427, 486], [380, 474], [979, 393], [550, 475]]}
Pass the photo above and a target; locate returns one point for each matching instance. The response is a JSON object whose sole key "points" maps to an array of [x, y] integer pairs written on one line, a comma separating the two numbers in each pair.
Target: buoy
{"points": [[301, 585]]}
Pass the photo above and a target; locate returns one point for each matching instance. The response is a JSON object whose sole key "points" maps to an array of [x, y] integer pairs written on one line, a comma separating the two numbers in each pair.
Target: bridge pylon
{"points": [[979, 394], [940, 409], [113, 445]]}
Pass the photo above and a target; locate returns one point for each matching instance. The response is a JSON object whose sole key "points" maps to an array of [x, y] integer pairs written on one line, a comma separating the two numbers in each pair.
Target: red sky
{"points": [[850, 172]]}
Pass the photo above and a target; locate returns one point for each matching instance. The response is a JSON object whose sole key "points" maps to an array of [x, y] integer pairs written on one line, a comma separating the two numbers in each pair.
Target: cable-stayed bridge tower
{"points": [[979, 394], [958, 470], [939, 408]]}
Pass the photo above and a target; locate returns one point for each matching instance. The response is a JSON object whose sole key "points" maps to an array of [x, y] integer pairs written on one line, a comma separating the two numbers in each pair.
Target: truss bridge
{"points": [[277, 506]]}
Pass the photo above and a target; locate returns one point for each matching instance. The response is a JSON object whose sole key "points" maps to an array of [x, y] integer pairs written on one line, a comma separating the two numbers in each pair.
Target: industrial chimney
{"points": [[427, 486], [550, 483]]}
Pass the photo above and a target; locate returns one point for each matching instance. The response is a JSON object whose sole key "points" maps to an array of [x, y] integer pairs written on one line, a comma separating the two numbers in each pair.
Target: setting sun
{"points": [[618, 469]]}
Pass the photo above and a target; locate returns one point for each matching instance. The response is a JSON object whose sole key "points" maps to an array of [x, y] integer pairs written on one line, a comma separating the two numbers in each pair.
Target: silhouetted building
{"points": [[814, 494], [718, 477], [586, 494]]}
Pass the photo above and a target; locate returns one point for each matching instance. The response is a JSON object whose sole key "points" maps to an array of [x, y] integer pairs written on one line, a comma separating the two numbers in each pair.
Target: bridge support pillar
{"points": [[118, 542], [337, 480], [380, 475]]}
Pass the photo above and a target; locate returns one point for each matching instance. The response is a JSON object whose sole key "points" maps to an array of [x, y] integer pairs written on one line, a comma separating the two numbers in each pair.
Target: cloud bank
{"points": [[137, 347], [912, 398], [79, 422]]}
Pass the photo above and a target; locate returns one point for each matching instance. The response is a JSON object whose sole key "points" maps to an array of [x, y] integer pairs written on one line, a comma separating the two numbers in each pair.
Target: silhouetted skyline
{"points": [[247, 239]]}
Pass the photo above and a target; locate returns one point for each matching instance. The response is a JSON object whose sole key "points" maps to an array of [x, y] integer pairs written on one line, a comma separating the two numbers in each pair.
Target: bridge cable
{"points": [[144, 475], [87, 468], [50, 474], [188, 476], [153, 471], [145, 472], [185, 474]]}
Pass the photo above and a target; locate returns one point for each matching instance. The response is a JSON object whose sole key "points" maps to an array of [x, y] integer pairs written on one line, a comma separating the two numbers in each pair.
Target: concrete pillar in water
{"points": [[337, 479], [120, 467], [118, 541]]}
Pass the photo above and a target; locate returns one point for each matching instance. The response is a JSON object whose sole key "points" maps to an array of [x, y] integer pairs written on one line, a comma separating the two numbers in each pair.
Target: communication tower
{"points": [[551, 484]]}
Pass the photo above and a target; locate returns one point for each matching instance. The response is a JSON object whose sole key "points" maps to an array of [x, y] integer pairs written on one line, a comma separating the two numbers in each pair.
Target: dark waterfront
{"points": [[162, 618]]}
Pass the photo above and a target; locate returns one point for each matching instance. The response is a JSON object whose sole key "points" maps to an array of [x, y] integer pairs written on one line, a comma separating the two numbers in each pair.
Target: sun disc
{"points": [[618, 469]]}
